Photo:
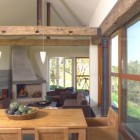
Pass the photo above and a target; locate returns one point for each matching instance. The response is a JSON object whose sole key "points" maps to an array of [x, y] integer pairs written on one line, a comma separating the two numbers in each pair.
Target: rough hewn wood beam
{"points": [[47, 31], [47, 42], [123, 11]]}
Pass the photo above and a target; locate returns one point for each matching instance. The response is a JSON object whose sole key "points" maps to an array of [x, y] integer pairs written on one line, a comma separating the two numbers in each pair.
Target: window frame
{"points": [[122, 44], [76, 71], [114, 74], [57, 71]]}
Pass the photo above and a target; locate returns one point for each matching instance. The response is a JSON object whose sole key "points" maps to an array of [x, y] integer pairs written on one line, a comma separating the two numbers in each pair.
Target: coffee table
{"points": [[43, 104]]}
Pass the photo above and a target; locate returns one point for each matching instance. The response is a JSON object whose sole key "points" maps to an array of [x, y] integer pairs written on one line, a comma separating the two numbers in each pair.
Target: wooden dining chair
{"points": [[10, 134], [103, 128], [51, 133]]}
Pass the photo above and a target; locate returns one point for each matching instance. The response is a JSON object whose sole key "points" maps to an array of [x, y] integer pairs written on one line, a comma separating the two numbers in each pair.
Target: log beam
{"points": [[121, 13], [47, 31], [47, 42]]}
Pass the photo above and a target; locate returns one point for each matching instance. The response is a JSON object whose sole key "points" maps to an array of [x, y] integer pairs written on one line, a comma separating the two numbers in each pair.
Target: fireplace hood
{"points": [[22, 71]]}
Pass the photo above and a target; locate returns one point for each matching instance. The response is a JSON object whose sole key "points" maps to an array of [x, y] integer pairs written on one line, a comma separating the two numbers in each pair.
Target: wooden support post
{"points": [[105, 76]]}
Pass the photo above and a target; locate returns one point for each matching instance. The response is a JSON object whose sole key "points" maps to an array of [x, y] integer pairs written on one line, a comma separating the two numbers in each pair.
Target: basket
{"points": [[23, 117]]}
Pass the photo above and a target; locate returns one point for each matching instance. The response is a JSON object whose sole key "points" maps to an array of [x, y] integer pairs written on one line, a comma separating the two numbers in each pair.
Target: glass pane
{"points": [[61, 71], [131, 105], [114, 92], [53, 83], [82, 83], [133, 49], [82, 66], [68, 72], [114, 54]]}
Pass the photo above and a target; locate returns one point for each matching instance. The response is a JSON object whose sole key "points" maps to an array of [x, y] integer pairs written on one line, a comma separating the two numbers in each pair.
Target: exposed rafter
{"points": [[47, 31], [47, 42], [123, 11], [39, 12]]}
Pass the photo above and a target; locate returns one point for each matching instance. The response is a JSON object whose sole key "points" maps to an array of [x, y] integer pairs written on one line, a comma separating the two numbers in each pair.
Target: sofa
{"points": [[79, 102], [60, 95]]}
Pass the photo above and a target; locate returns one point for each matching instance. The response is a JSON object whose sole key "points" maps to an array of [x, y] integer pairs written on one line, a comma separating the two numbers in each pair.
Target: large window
{"points": [[114, 71], [60, 72], [82, 73], [130, 83], [114, 54], [114, 91], [133, 48], [132, 89]]}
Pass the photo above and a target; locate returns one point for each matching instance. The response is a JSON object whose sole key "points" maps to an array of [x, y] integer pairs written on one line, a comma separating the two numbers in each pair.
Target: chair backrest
{"points": [[51, 133], [112, 118], [10, 134]]}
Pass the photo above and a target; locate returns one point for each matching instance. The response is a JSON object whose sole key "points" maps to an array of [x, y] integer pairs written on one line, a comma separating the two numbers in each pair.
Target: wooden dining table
{"points": [[73, 119]]}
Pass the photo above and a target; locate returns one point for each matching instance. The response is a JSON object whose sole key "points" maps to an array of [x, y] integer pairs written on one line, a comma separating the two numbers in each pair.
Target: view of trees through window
{"points": [[133, 99], [60, 74], [82, 73], [114, 91], [133, 67], [133, 52], [130, 78], [114, 69]]}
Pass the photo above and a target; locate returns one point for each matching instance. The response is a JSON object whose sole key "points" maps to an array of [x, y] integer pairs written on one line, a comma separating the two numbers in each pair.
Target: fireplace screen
{"points": [[29, 91]]}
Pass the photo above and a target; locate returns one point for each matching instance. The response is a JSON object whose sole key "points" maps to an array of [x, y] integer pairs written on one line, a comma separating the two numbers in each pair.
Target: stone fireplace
{"points": [[29, 92], [26, 85]]}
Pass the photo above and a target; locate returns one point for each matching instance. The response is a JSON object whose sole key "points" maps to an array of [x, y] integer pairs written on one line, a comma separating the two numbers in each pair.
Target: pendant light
{"points": [[43, 53], [43, 56]]}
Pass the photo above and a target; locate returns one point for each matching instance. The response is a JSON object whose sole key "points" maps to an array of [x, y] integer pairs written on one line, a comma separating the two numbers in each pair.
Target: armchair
{"points": [[103, 128]]}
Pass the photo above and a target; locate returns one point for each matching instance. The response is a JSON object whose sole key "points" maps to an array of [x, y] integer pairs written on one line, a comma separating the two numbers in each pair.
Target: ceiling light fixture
{"points": [[43, 53]]}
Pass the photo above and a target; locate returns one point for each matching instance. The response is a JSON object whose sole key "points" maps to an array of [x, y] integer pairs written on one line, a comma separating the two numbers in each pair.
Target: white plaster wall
{"points": [[54, 51], [100, 13], [103, 8], [5, 59], [93, 53]]}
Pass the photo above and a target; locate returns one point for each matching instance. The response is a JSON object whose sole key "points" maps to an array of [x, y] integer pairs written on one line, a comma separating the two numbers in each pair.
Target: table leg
{"points": [[82, 134], [78, 134]]}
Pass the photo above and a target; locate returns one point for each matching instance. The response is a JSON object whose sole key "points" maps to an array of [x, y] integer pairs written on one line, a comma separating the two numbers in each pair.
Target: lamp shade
{"points": [[0, 54], [43, 56]]}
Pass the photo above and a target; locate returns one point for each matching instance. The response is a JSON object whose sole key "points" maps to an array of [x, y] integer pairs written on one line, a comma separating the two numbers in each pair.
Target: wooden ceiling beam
{"points": [[47, 31], [47, 42], [121, 13]]}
